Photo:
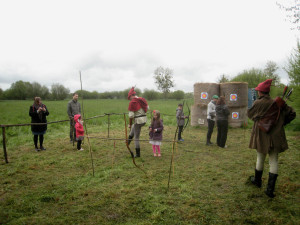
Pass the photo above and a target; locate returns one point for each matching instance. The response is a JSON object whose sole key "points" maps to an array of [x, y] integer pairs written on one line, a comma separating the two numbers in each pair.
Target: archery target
{"points": [[204, 95], [201, 121], [235, 115], [233, 97]]}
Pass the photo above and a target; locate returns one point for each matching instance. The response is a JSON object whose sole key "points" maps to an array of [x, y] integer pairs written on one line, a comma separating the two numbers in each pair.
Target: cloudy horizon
{"points": [[118, 44]]}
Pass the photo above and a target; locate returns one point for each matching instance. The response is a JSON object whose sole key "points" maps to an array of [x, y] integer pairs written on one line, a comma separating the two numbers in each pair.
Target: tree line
{"points": [[22, 90]]}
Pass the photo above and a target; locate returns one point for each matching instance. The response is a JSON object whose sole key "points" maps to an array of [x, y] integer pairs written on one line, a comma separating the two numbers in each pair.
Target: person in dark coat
{"points": [[211, 117], [180, 120], [272, 142], [38, 112], [222, 113], [73, 109]]}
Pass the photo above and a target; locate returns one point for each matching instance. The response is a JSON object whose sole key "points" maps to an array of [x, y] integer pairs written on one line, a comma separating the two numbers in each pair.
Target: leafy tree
{"points": [[164, 79], [59, 92], [178, 95], [150, 94], [293, 68], [1, 94], [19, 90], [270, 72], [223, 79], [252, 77], [45, 93], [39, 90]]}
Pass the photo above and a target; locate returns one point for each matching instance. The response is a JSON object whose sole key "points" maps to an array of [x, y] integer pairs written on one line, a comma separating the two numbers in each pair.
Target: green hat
{"points": [[215, 97]]}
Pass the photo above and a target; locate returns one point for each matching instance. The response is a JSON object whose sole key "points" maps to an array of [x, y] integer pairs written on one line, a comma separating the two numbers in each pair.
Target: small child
{"points": [[155, 132], [79, 131], [180, 120]]}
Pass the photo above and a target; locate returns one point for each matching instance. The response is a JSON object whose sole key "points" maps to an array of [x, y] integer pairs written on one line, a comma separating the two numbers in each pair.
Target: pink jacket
{"points": [[78, 126]]}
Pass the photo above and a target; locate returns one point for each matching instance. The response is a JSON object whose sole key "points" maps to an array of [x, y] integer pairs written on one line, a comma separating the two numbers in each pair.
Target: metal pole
{"points": [[4, 144]]}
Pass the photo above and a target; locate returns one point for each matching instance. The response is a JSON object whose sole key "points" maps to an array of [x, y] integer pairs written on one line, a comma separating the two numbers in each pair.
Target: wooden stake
{"points": [[4, 144], [90, 148]]}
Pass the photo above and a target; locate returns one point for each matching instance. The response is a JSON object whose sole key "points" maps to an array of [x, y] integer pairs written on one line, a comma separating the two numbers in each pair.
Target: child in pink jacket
{"points": [[79, 131]]}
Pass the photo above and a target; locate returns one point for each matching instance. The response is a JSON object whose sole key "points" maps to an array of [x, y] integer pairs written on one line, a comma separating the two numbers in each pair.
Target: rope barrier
{"points": [[143, 140], [61, 121]]}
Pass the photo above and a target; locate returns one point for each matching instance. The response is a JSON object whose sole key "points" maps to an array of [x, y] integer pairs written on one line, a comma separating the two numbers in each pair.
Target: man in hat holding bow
{"points": [[137, 118], [272, 142]]}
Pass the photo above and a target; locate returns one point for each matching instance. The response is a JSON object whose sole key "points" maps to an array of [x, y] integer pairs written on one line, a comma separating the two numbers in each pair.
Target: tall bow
{"points": [[127, 145]]}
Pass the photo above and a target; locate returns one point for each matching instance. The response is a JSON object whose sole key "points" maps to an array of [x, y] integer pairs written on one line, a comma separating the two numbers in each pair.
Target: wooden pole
{"points": [[108, 124], [87, 135], [4, 144]]}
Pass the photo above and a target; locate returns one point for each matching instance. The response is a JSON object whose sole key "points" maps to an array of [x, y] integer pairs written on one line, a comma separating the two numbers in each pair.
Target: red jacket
{"points": [[78, 126]]}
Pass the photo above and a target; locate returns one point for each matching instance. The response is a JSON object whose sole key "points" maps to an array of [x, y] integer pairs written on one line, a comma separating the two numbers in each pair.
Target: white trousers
{"points": [[273, 162]]}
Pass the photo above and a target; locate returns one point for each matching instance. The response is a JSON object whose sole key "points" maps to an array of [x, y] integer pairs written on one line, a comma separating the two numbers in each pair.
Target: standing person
{"points": [[180, 120], [79, 131], [73, 109], [155, 132], [222, 113], [211, 118], [38, 112], [271, 143], [137, 118]]}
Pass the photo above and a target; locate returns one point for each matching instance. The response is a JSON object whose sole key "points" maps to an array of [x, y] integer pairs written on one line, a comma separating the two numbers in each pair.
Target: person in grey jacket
{"points": [[180, 120], [211, 118], [73, 109], [222, 113]]}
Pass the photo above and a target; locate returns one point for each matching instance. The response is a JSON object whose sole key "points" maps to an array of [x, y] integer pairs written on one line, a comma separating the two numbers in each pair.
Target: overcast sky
{"points": [[117, 44]]}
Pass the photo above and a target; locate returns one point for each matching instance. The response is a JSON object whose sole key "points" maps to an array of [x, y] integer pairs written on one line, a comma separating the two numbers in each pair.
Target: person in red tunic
{"points": [[137, 108]]}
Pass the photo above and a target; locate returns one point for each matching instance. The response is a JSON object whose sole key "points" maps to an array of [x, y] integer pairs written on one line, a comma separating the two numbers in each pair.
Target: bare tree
{"points": [[223, 79], [292, 9]]}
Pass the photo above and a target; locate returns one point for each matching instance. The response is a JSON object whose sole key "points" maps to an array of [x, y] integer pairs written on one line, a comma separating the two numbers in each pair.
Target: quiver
{"points": [[269, 120]]}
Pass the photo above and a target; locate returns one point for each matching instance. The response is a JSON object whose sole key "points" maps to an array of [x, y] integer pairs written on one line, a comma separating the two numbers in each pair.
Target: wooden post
{"points": [[4, 144], [108, 124]]}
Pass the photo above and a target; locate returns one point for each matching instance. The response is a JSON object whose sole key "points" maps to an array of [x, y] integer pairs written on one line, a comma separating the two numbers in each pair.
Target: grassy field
{"points": [[208, 184]]}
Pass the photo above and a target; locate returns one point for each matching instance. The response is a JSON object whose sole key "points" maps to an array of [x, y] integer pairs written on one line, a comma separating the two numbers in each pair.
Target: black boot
{"points": [[271, 185], [129, 139], [208, 142], [138, 152], [256, 180]]}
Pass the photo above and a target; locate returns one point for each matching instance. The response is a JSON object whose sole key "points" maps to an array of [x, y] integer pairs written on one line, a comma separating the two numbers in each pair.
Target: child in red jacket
{"points": [[79, 131]]}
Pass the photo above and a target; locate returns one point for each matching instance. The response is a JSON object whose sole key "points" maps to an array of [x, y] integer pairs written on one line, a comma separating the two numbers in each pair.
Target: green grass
{"points": [[208, 184]]}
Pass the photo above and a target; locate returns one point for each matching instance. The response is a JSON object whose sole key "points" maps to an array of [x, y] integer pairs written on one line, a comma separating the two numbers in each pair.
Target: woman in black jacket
{"points": [[38, 112], [222, 113]]}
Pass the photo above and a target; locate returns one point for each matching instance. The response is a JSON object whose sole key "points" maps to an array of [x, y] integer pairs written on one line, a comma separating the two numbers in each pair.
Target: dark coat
{"points": [[275, 140], [73, 108], [36, 118], [156, 136], [222, 112], [180, 117]]}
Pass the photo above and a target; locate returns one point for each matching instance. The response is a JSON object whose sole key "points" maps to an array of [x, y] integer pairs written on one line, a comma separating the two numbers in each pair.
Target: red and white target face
{"points": [[204, 95], [233, 97], [235, 115]]}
